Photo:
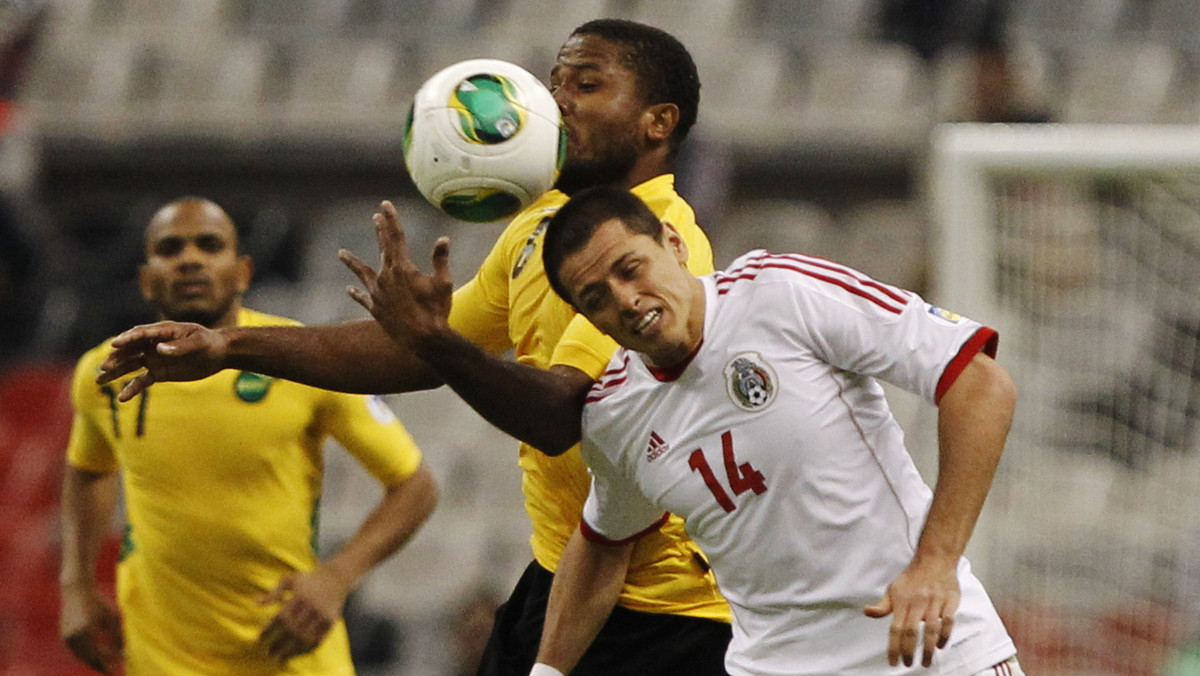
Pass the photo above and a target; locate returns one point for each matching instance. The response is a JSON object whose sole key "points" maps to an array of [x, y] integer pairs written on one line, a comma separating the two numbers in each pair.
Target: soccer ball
{"points": [[483, 140]]}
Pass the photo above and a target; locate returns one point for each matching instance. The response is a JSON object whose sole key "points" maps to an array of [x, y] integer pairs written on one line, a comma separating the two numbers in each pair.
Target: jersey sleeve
{"points": [[479, 310], [615, 511], [860, 325], [370, 431], [88, 448]]}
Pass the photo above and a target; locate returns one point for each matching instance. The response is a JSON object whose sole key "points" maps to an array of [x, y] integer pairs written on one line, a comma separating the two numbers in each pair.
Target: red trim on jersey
{"points": [[794, 263], [607, 381], [592, 536], [985, 340], [672, 373], [897, 295]]}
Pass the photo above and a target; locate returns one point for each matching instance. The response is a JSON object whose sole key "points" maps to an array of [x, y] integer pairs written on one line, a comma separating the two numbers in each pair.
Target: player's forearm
{"points": [[973, 422], [356, 357], [88, 503], [542, 408], [585, 590], [404, 508]]}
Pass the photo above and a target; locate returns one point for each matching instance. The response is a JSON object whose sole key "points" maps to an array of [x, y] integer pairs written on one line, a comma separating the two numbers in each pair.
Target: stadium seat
{"points": [[345, 79], [1134, 82]]}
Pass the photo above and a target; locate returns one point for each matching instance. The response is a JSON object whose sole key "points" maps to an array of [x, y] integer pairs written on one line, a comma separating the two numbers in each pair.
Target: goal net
{"points": [[1081, 245]]}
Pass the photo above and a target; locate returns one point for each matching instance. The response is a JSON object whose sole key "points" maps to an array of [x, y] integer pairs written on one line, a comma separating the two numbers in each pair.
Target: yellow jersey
{"points": [[221, 481], [509, 305]]}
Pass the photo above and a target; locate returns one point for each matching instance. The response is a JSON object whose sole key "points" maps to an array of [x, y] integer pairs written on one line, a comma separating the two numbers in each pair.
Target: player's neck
{"points": [[647, 167]]}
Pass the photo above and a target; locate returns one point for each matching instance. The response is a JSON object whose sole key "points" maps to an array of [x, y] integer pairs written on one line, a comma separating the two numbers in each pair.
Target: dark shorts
{"points": [[631, 643]]}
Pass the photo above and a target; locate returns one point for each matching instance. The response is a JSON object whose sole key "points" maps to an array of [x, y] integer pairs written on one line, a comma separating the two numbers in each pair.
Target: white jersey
{"points": [[776, 445]]}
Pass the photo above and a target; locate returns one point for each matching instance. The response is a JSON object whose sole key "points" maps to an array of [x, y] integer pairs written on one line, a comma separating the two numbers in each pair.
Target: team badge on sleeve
{"points": [[750, 381], [946, 316]]}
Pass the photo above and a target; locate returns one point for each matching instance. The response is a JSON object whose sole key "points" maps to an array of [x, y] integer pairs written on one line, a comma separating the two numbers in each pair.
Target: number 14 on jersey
{"points": [[741, 478]]}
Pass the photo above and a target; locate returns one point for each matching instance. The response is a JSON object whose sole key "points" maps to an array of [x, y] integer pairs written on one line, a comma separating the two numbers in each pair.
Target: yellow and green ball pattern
{"points": [[488, 107]]}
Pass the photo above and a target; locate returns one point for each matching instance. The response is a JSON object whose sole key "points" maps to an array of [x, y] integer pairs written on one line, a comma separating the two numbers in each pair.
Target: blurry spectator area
{"points": [[35, 417], [776, 72]]}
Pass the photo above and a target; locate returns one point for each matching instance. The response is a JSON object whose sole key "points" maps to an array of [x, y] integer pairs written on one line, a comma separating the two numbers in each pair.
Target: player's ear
{"points": [[245, 272], [660, 120], [673, 241], [144, 284]]}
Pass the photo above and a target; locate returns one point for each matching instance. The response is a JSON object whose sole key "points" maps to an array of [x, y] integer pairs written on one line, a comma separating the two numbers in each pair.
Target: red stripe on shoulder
{"points": [[613, 378], [985, 340], [898, 295], [851, 286], [591, 535]]}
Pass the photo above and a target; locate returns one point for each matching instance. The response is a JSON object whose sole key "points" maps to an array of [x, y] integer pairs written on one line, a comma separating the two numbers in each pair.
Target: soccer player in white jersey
{"points": [[747, 403]]}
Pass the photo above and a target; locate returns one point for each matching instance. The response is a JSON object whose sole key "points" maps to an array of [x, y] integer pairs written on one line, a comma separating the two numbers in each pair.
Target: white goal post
{"points": [[1081, 245]]}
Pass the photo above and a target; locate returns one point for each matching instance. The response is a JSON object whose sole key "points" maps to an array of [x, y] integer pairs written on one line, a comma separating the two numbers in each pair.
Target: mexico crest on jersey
{"points": [[750, 381]]}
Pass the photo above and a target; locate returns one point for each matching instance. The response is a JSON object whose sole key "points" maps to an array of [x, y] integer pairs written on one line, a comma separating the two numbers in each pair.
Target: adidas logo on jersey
{"points": [[656, 448]]}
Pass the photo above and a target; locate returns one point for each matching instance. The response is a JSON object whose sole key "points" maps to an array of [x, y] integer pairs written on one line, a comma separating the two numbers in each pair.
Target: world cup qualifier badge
{"points": [[750, 381]]}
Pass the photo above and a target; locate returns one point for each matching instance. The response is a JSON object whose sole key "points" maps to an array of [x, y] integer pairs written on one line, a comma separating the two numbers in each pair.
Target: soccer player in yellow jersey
{"points": [[222, 478], [628, 94]]}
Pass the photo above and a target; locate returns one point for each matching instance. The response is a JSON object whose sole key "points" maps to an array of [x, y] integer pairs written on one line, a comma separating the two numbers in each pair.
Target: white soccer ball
{"points": [[483, 140]]}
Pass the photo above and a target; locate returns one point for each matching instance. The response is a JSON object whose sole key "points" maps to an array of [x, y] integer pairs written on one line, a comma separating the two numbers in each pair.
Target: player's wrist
{"points": [[543, 669]]}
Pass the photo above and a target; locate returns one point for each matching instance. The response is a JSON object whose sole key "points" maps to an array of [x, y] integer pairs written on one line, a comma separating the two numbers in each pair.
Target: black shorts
{"points": [[631, 642]]}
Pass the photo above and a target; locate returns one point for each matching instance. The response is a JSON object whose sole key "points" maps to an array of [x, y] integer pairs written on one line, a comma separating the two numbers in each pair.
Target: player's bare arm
{"points": [[356, 356], [89, 621], [312, 602], [542, 408], [585, 589], [973, 421]]}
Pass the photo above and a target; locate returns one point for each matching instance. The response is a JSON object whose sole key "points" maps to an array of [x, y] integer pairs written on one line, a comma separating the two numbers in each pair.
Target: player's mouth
{"points": [[646, 321], [191, 288]]}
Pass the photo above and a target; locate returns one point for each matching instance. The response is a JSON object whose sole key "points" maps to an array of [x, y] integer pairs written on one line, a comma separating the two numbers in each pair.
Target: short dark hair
{"points": [[575, 223], [664, 68]]}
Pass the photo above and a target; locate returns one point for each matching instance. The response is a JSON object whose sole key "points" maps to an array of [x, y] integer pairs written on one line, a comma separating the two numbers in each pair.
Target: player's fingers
{"points": [[116, 637], [149, 333], [362, 298], [117, 365], [135, 387], [395, 229], [272, 634], [284, 642], [947, 626], [441, 259], [930, 637], [393, 242], [882, 608], [904, 634], [84, 647], [365, 273], [184, 345]]}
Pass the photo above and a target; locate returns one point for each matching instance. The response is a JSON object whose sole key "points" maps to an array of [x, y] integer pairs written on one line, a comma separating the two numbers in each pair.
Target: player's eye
{"points": [[167, 248], [211, 244]]}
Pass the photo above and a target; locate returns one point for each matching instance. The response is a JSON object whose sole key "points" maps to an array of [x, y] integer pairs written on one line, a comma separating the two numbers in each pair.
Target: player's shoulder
{"points": [[615, 377], [249, 317], [811, 275], [533, 217]]}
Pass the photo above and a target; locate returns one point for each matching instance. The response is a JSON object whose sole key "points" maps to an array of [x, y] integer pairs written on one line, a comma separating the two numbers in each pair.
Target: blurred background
{"points": [[823, 129]]}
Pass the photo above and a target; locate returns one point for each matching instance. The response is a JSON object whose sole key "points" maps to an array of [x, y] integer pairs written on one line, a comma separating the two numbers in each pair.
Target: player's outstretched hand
{"points": [[168, 351], [409, 304], [91, 627], [922, 603], [312, 603]]}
